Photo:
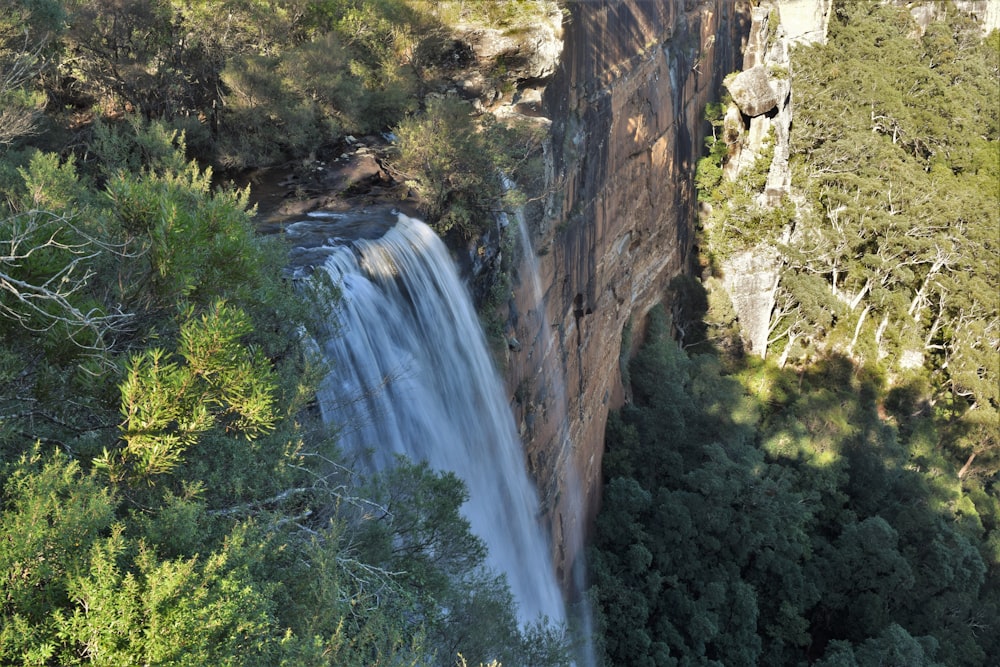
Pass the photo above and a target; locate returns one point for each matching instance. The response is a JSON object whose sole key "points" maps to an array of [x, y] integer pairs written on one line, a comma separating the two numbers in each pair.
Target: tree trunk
{"points": [[856, 301], [857, 330], [919, 299], [879, 332], [968, 464], [783, 359]]}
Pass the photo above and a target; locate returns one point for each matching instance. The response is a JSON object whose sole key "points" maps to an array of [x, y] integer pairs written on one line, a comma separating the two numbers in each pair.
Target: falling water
{"points": [[412, 362], [573, 528]]}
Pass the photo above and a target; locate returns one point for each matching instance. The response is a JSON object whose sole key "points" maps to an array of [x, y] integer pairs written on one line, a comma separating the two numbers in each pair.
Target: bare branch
{"points": [[39, 304]]}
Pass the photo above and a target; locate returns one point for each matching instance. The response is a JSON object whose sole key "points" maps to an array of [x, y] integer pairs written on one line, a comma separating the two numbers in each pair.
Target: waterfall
{"points": [[573, 528], [411, 374]]}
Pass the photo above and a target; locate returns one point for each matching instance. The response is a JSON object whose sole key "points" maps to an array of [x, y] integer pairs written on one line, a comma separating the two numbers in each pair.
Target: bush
{"points": [[449, 164]]}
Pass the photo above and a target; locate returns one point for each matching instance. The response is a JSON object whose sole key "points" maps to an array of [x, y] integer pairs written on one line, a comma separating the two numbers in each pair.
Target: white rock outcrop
{"points": [[804, 21], [751, 277], [752, 92]]}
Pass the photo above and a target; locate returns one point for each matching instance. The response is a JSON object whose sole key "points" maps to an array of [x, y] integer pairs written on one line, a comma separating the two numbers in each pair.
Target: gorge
{"points": [[625, 104], [623, 98], [755, 384]]}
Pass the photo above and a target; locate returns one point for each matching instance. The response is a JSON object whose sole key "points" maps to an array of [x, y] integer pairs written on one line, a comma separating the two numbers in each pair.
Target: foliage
{"points": [[234, 75], [462, 606], [734, 218], [341, 81], [166, 406], [774, 517], [455, 163], [88, 584], [509, 15], [896, 226], [891, 256], [26, 30], [169, 495], [708, 174]]}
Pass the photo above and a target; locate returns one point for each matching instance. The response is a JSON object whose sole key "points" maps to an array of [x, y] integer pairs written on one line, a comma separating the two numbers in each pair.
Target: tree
{"points": [[892, 171], [48, 257], [783, 519], [446, 160], [419, 532], [167, 405], [26, 31]]}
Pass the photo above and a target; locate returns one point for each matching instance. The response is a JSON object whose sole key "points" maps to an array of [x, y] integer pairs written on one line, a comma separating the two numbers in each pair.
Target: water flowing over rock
{"points": [[626, 105], [411, 374]]}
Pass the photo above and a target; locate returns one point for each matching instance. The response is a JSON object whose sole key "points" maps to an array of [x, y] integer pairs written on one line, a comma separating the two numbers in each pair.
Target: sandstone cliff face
{"points": [[626, 106]]}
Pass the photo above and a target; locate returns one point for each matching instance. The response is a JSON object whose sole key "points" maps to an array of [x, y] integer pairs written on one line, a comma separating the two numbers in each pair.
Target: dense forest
{"points": [[838, 502], [169, 494]]}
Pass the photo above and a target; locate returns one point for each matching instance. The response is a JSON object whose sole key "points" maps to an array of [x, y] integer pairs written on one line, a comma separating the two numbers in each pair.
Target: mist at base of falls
{"points": [[411, 374]]}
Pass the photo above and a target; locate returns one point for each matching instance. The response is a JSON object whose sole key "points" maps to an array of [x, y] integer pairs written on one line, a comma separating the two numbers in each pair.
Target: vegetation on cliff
{"points": [[840, 508], [888, 239]]}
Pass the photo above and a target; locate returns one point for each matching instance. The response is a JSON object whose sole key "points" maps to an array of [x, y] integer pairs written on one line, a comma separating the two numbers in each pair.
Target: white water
{"points": [[573, 527], [411, 374]]}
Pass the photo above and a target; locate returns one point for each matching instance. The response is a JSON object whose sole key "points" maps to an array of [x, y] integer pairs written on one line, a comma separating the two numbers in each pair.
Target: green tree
{"points": [[898, 232], [463, 607], [447, 161], [26, 32], [167, 405], [782, 519], [52, 515]]}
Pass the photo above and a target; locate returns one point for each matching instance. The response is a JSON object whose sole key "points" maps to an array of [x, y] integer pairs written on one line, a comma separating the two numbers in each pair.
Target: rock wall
{"points": [[626, 105], [986, 12], [762, 112], [803, 21]]}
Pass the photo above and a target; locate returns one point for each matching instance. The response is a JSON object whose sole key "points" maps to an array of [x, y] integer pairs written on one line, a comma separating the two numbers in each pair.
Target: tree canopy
{"points": [[772, 516]]}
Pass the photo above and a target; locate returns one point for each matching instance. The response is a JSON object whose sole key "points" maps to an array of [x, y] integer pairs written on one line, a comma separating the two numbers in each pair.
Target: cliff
{"points": [[761, 114], [626, 106]]}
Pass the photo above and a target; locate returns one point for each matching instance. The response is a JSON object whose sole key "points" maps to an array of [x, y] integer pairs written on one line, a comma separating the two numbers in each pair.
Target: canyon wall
{"points": [[626, 106]]}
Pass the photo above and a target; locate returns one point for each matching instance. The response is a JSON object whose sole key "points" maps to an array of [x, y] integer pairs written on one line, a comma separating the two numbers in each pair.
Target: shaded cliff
{"points": [[626, 106]]}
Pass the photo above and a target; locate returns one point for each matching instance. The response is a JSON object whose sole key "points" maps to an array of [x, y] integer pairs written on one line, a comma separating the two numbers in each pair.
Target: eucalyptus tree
{"points": [[896, 154]]}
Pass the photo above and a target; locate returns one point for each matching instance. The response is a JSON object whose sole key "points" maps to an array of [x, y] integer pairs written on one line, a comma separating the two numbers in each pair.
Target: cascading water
{"points": [[411, 374], [573, 528]]}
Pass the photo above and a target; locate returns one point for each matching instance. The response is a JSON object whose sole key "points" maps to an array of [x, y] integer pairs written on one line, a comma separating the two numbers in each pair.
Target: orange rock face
{"points": [[627, 109]]}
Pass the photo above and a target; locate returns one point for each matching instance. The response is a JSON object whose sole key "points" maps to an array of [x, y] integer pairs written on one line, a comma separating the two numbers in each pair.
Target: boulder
{"points": [[531, 52], [752, 91]]}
